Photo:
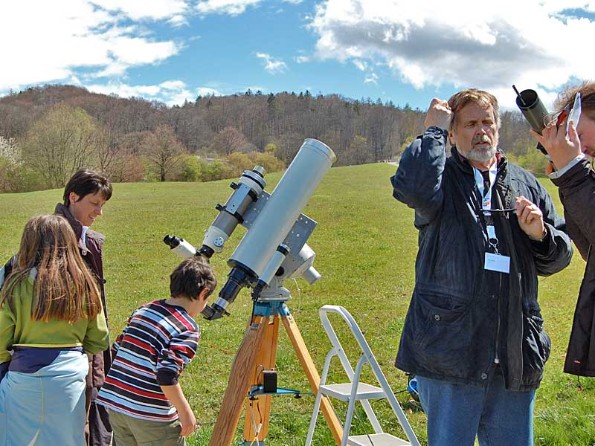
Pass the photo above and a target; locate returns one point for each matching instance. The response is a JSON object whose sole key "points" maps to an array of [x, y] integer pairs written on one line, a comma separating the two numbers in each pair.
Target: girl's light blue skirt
{"points": [[45, 407]]}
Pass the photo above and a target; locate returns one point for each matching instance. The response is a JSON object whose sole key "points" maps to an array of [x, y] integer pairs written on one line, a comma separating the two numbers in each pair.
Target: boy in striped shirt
{"points": [[141, 392]]}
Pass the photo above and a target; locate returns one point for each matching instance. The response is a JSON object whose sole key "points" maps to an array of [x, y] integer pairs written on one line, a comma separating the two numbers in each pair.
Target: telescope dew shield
{"points": [[532, 109]]}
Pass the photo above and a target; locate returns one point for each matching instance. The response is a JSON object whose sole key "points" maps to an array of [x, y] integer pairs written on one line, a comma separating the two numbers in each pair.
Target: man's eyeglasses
{"points": [[502, 211]]}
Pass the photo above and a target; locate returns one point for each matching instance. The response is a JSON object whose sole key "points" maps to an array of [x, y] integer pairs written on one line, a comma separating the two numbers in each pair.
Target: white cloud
{"points": [[371, 78], [168, 92], [302, 59], [271, 64], [467, 43], [96, 43], [169, 10], [65, 40], [427, 44], [360, 64], [230, 7]]}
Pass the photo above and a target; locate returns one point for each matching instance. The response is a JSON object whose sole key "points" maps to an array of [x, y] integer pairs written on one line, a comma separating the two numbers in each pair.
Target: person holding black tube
{"points": [[571, 147], [473, 335]]}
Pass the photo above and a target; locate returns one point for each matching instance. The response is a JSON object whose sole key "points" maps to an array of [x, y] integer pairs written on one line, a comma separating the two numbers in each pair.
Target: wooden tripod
{"points": [[258, 352]]}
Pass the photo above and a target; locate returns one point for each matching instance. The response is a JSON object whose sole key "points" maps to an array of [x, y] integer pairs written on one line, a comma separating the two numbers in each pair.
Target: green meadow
{"points": [[365, 246]]}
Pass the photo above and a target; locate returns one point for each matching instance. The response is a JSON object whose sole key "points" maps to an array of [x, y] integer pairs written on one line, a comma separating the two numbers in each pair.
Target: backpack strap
{"points": [[6, 270]]}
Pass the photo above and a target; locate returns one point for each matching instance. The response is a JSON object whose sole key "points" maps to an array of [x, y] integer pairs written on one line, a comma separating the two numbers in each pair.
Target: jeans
{"points": [[457, 413]]}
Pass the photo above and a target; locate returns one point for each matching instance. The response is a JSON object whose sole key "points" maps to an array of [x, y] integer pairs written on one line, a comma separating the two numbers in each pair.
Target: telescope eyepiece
{"points": [[172, 241], [180, 246]]}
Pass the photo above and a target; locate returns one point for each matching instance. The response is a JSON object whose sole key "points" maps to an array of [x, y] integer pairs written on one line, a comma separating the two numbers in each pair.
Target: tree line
{"points": [[48, 132]]}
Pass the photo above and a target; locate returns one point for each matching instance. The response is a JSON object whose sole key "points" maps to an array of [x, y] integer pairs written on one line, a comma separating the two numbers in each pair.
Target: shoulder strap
{"points": [[6, 270]]}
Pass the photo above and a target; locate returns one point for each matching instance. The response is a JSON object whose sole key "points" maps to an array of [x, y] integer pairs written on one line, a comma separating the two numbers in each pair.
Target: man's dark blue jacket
{"points": [[463, 318]]}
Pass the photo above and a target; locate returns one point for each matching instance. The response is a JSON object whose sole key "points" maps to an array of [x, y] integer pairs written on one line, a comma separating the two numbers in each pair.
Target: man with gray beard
{"points": [[473, 336]]}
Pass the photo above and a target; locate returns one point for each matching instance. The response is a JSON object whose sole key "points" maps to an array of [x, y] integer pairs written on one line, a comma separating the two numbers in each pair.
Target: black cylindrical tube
{"points": [[532, 109]]}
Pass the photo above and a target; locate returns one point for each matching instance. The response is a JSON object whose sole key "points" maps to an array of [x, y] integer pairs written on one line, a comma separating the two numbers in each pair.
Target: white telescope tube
{"points": [[284, 206]]}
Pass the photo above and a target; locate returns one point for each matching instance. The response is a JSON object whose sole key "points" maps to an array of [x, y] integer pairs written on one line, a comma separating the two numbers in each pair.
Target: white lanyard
{"points": [[493, 261], [83, 241], [84, 234], [487, 196]]}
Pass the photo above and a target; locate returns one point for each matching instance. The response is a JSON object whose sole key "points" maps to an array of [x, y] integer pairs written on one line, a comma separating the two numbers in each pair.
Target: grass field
{"points": [[365, 244]]}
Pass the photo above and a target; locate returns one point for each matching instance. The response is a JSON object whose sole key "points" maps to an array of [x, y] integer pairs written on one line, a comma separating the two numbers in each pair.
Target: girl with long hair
{"points": [[50, 316]]}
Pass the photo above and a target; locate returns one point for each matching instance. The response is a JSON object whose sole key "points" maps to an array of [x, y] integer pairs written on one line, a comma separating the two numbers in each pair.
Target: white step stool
{"points": [[355, 390]]}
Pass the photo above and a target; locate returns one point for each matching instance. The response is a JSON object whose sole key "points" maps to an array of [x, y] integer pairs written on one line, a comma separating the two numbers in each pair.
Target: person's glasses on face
{"points": [[556, 118], [566, 114]]}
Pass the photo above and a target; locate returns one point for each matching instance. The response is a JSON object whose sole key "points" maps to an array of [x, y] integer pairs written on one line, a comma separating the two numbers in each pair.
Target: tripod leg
{"points": [[239, 384], [313, 377], [258, 409]]}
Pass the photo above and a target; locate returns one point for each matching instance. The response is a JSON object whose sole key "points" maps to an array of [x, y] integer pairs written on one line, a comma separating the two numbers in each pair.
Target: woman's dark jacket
{"points": [[577, 193], [91, 252], [463, 318]]}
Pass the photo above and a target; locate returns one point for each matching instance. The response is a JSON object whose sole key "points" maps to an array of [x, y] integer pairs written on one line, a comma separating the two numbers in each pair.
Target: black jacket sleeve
{"points": [[577, 193], [418, 179]]}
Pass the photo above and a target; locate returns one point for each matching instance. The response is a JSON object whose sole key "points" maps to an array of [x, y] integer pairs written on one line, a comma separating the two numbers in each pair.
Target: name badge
{"points": [[497, 262]]}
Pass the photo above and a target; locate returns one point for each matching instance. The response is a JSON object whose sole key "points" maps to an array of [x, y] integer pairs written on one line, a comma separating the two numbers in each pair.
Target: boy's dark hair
{"points": [[86, 181], [190, 277]]}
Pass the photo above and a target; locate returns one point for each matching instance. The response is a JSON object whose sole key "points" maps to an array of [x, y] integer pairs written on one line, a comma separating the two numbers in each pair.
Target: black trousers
{"points": [[98, 431]]}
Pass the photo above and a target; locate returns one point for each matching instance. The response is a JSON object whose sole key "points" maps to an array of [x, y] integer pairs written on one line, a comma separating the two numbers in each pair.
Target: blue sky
{"points": [[402, 51]]}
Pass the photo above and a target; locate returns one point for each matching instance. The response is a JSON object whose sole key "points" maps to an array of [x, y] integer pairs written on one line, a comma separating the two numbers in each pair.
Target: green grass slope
{"points": [[365, 244]]}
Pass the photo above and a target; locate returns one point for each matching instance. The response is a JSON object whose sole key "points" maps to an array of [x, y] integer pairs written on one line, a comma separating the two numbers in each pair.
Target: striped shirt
{"points": [[158, 342]]}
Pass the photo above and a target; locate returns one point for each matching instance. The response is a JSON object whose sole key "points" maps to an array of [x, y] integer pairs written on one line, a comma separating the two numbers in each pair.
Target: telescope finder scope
{"points": [[246, 191]]}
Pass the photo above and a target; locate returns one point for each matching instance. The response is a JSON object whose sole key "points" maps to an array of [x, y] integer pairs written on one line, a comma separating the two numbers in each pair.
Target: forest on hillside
{"points": [[48, 132]]}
